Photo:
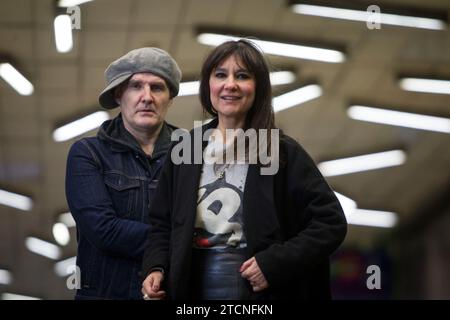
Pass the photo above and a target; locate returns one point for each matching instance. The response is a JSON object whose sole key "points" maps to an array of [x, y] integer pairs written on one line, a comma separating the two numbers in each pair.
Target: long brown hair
{"points": [[260, 115]]}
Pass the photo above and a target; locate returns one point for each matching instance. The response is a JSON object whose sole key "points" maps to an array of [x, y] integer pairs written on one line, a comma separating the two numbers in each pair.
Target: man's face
{"points": [[144, 103]]}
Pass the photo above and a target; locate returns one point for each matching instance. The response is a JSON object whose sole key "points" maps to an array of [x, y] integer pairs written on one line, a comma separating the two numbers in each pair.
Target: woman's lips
{"points": [[230, 98]]}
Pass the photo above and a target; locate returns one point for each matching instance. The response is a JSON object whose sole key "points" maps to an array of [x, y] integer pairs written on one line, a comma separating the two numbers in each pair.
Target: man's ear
{"points": [[117, 95]]}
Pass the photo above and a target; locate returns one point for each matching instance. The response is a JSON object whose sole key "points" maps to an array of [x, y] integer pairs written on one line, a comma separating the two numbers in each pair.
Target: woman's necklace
{"points": [[220, 173]]}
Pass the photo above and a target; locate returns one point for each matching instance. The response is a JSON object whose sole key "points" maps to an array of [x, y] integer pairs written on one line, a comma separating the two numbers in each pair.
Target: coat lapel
{"points": [[189, 175], [260, 216]]}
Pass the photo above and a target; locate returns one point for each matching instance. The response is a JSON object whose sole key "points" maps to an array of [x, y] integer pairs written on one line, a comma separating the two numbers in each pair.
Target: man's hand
{"points": [[251, 271], [152, 285]]}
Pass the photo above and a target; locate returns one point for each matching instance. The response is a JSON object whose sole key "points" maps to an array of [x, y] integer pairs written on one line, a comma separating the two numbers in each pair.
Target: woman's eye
{"points": [[243, 76], [220, 75]]}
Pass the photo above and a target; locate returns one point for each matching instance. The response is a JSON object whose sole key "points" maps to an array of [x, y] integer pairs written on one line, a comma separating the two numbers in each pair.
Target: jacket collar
{"points": [[121, 140]]}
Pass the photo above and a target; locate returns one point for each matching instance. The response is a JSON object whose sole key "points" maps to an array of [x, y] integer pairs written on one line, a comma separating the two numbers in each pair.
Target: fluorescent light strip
{"points": [[278, 48], [71, 3], [65, 267], [359, 15], [15, 79], [398, 118], [63, 33], [363, 217], [362, 163], [347, 204], [276, 78], [281, 77], [43, 248], [296, 97], [80, 126], [15, 200], [425, 85], [373, 218], [67, 219], [189, 88], [13, 296], [5, 277], [61, 233]]}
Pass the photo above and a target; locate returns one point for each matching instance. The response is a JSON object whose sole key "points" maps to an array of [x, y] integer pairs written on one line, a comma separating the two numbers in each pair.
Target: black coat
{"points": [[292, 223]]}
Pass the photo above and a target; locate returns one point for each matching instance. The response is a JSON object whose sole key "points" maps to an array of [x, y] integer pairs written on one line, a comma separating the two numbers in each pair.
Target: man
{"points": [[111, 178]]}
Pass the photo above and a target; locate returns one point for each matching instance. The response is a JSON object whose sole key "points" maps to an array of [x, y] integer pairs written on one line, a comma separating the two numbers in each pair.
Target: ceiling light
{"points": [[67, 219], [362, 163], [365, 16], [276, 78], [296, 97], [15, 200], [279, 48], [13, 296], [189, 88], [71, 3], [61, 233], [363, 217], [64, 268], [80, 126], [399, 118], [281, 77], [15, 79], [425, 85], [373, 218], [43, 248], [347, 204], [63, 33], [5, 277]]}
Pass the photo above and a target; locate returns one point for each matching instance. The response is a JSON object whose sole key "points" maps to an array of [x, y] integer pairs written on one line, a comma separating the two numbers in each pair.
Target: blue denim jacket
{"points": [[110, 183]]}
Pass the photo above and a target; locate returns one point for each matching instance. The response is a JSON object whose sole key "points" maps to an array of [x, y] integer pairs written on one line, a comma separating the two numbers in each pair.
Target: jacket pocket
{"points": [[124, 192]]}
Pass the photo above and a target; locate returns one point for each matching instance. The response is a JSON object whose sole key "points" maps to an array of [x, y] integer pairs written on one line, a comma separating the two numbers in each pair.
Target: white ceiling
{"points": [[68, 84]]}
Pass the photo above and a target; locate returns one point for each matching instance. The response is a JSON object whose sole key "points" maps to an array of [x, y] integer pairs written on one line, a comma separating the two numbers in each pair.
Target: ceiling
{"points": [[67, 85]]}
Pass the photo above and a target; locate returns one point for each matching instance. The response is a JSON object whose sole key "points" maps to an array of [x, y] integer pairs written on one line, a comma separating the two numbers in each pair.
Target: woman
{"points": [[226, 231]]}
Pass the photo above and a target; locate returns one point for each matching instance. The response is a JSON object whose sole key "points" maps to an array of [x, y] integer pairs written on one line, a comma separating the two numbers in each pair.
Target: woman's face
{"points": [[232, 88]]}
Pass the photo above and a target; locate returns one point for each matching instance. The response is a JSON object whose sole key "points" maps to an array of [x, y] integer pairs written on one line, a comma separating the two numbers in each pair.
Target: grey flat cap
{"points": [[153, 60]]}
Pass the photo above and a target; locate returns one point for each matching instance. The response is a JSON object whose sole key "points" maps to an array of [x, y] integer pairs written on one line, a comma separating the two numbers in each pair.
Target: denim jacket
{"points": [[110, 183]]}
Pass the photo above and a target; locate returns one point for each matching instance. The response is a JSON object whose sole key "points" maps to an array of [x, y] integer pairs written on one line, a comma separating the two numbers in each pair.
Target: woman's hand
{"points": [[152, 285], [251, 271]]}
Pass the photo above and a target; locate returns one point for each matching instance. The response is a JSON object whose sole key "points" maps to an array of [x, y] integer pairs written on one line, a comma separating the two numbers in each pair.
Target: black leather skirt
{"points": [[215, 275]]}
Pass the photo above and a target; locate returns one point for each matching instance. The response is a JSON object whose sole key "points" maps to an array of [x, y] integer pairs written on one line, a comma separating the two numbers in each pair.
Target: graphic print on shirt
{"points": [[219, 215]]}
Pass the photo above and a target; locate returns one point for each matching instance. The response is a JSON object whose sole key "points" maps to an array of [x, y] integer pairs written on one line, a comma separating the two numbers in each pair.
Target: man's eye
{"points": [[136, 86], [158, 88]]}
